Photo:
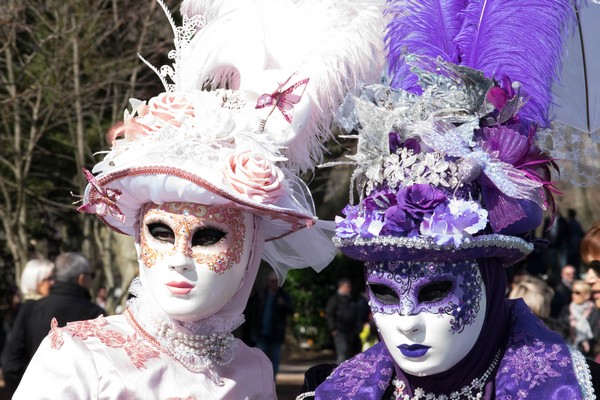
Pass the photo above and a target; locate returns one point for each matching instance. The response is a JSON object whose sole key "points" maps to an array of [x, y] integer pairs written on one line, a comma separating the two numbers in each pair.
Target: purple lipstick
{"points": [[413, 350]]}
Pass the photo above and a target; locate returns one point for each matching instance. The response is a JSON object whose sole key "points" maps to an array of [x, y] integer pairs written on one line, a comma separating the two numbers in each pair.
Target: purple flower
{"points": [[379, 200], [346, 228], [350, 211], [500, 95], [454, 221], [371, 225], [412, 144], [420, 199], [507, 215], [395, 143], [398, 223], [368, 224]]}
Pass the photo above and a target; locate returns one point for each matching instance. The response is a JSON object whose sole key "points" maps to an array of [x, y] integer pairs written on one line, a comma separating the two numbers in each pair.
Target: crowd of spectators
{"points": [[567, 300]]}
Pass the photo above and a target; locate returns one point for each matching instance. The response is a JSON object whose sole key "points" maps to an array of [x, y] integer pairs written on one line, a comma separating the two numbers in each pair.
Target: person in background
{"points": [[562, 290], [575, 236], [274, 306], [68, 300], [578, 314], [590, 255], [557, 234], [248, 332], [538, 296], [342, 320], [36, 279]]}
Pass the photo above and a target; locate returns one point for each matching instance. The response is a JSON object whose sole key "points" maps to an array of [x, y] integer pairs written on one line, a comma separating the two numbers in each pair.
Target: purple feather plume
{"points": [[520, 39], [421, 27]]}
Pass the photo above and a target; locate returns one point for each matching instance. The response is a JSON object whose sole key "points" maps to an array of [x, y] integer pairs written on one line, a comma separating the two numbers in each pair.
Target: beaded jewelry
{"points": [[472, 392]]}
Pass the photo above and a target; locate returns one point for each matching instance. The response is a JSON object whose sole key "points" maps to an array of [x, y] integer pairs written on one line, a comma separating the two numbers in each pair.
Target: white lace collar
{"points": [[201, 346]]}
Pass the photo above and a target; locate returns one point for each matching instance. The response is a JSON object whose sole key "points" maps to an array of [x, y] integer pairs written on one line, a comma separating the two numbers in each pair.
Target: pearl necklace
{"points": [[472, 392], [199, 346], [195, 352]]}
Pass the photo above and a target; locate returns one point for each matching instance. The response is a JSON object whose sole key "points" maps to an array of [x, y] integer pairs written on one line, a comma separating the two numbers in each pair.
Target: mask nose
{"points": [[181, 263], [410, 325]]}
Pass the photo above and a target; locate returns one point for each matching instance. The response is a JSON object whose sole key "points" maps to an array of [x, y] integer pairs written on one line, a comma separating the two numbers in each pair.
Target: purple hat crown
{"points": [[443, 166]]}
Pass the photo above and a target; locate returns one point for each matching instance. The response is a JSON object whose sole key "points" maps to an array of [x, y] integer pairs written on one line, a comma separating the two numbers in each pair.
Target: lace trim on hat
{"points": [[289, 216]]}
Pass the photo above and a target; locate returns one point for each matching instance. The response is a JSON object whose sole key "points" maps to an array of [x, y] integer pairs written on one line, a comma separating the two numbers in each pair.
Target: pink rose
{"points": [[172, 108], [254, 176]]}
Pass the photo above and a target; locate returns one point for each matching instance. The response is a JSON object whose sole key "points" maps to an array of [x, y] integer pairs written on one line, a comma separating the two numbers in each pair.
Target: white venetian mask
{"points": [[194, 256], [428, 314]]}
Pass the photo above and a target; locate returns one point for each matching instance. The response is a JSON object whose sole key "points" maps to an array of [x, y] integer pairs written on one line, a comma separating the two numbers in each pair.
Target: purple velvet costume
{"points": [[535, 362]]}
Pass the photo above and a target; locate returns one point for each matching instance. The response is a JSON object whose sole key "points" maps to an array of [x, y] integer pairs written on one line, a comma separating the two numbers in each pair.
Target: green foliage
{"points": [[311, 290]]}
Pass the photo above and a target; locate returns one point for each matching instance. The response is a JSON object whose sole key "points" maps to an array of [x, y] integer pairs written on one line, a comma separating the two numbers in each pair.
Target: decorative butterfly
{"points": [[101, 201], [283, 99]]}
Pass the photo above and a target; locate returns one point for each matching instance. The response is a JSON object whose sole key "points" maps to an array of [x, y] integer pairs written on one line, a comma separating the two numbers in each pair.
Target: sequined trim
{"points": [[509, 242], [305, 395], [518, 246], [583, 373]]}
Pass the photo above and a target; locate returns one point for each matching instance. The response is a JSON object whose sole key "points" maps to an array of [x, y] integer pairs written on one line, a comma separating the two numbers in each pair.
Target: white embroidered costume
{"points": [[204, 176], [117, 357]]}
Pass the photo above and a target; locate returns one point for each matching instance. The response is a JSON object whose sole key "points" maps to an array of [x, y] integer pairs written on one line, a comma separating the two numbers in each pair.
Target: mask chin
{"points": [[210, 291]]}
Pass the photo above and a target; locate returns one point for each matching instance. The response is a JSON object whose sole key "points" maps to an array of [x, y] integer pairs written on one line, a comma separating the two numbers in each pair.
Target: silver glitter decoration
{"points": [[584, 376], [519, 247]]}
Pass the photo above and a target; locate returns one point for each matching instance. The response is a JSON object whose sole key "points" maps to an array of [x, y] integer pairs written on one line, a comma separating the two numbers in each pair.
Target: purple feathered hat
{"points": [[446, 165]]}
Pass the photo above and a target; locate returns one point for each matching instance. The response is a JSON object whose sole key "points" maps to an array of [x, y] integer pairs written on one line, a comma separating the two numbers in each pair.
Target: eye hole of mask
{"points": [[434, 291], [161, 232], [207, 237], [384, 294]]}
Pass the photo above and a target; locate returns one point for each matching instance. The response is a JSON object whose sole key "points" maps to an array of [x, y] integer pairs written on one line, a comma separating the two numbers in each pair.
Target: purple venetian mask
{"points": [[410, 288]]}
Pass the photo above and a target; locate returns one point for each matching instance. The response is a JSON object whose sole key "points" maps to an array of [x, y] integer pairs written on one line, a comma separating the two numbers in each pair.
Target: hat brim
{"points": [[160, 184], [507, 249]]}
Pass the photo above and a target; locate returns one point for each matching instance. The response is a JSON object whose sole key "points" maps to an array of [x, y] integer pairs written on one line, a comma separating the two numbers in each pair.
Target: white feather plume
{"points": [[338, 45]]}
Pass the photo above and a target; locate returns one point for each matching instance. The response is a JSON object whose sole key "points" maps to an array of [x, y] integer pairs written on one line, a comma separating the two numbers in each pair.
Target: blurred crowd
{"points": [[560, 283], [50, 293]]}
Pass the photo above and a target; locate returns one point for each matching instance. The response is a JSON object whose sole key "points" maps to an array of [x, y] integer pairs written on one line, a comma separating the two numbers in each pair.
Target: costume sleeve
{"points": [[254, 375], [62, 368]]}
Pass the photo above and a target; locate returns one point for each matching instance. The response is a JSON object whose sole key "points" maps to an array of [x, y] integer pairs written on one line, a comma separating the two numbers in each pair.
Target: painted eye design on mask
{"points": [[207, 237], [434, 291], [384, 294], [161, 232]]}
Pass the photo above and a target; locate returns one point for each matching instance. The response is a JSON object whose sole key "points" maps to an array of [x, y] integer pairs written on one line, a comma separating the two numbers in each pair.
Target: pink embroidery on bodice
{"points": [[135, 347], [56, 338]]}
